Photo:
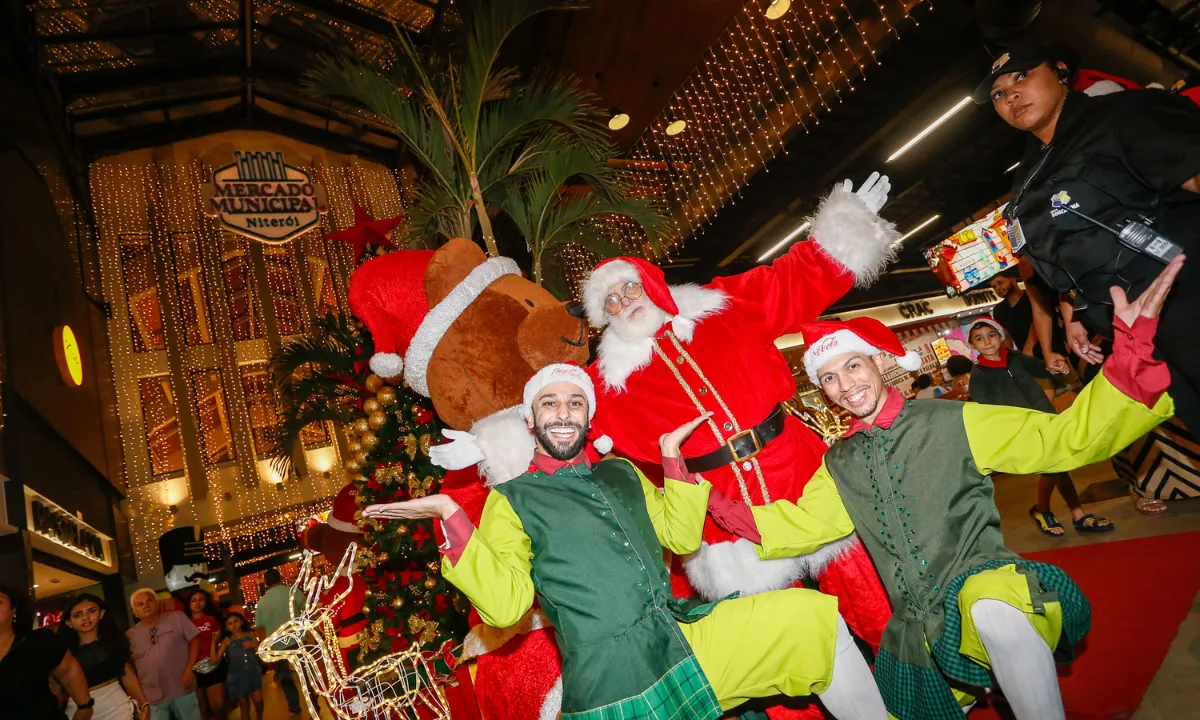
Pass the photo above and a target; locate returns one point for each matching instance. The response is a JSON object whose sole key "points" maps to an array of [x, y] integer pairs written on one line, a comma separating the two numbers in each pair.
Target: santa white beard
{"points": [[641, 327]]}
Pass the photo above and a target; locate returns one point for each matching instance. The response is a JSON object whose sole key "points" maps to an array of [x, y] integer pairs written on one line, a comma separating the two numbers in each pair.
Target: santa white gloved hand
{"points": [[873, 192], [461, 452]]}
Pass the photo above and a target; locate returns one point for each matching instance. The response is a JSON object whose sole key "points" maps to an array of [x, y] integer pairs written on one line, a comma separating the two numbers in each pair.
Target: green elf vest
{"points": [[598, 572], [928, 518]]}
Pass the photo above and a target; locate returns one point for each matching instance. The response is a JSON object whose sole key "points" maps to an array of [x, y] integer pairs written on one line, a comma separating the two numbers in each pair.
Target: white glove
{"points": [[873, 192], [461, 452]]}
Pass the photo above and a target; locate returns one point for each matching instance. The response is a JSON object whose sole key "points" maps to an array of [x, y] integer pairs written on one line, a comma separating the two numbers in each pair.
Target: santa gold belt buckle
{"points": [[734, 451]]}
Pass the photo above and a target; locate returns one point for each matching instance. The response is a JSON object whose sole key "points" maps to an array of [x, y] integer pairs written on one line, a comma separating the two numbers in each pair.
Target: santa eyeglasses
{"points": [[614, 303]]}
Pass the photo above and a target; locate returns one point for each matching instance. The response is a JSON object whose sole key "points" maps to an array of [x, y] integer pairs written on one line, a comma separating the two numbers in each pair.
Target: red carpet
{"points": [[1140, 591]]}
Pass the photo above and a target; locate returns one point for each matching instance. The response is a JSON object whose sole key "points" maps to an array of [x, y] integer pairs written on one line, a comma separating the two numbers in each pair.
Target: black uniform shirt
{"points": [[1118, 157]]}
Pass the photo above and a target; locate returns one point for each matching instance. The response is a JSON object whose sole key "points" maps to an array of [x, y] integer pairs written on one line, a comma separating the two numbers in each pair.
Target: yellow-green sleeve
{"points": [[802, 527], [1100, 423], [493, 571], [677, 512]]}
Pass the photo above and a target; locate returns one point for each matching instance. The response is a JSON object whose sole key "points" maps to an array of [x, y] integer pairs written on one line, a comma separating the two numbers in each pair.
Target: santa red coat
{"points": [[731, 367]]}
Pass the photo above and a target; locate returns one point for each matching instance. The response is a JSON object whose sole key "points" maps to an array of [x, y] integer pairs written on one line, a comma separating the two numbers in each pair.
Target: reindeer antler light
{"points": [[394, 686]]}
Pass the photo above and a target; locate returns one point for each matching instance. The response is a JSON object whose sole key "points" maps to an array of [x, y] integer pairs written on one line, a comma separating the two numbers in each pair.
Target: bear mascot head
{"points": [[468, 331]]}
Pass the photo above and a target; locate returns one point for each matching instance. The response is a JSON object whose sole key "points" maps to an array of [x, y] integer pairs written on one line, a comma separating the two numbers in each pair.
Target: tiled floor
{"points": [[1175, 692]]}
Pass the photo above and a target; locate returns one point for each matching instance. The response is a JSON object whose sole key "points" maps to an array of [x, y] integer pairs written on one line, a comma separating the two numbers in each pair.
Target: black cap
{"points": [[1018, 58]]}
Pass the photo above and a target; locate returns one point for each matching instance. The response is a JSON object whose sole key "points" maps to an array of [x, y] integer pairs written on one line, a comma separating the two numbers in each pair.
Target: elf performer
{"points": [[587, 540], [913, 478], [669, 353]]}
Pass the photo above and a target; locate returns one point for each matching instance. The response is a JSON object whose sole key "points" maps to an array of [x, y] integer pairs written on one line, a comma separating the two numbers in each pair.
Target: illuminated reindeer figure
{"points": [[393, 686]]}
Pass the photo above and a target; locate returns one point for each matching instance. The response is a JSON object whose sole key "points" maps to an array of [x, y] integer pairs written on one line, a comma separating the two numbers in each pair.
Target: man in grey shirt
{"points": [[164, 646], [271, 612]]}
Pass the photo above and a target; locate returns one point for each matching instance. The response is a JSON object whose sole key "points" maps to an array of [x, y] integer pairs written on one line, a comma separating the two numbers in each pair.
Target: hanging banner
{"points": [[265, 199]]}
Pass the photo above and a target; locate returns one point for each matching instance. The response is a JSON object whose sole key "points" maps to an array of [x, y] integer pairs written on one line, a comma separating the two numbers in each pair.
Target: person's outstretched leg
{"points": [[1021, 660], [787, 642], [852, 692]]}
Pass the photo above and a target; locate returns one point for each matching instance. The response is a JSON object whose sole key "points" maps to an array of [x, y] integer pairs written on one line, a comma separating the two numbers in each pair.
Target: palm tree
{"points": [[469, 123], [553, 214]]}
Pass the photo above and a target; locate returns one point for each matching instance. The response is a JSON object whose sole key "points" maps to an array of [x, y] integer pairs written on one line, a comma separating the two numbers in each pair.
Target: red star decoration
{"points": [[367, 231]]}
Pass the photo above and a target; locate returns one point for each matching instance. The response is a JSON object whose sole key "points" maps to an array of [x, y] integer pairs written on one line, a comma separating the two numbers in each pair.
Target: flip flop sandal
{"points": [[1091, 524], [1046, 522]]}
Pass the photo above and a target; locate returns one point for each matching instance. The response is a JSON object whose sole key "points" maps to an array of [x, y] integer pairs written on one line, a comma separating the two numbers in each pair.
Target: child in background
{"points": [[959, 367], [1004, 377], [243, 681]]}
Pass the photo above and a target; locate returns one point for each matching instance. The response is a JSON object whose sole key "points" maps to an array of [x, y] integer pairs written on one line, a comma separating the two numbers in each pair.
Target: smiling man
{"points": [[914, 478], [587, 540]]}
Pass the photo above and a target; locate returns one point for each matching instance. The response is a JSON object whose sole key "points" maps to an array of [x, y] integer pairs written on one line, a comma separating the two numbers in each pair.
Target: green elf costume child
{"points": [[587, 540], [913, 477]]}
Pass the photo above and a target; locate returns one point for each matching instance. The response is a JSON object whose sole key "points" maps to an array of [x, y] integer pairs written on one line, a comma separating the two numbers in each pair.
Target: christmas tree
{"points": [[390, 429]]}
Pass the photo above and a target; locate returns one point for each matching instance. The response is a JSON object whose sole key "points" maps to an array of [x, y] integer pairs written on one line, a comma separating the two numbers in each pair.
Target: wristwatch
{"points": [[91, 703]]}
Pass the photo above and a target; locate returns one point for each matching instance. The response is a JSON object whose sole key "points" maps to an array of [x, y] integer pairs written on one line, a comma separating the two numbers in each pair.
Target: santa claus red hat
{"points": [[827, 340], [988, 321], [341, 517], [570, 373], [631, 269], [388, 294]]}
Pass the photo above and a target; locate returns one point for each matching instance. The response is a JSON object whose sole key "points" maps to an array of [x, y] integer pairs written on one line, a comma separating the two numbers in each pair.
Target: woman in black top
{"points": [[103, 652], [28, 659], [1117, 159]]}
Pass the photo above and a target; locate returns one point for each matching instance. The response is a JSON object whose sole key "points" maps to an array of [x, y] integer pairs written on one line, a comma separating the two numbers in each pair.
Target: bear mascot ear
{"points": [[450, 266]]}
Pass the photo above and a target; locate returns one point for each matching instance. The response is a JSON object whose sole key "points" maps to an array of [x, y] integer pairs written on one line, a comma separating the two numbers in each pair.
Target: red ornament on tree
{"points": [[422, 414], [367, 231]]}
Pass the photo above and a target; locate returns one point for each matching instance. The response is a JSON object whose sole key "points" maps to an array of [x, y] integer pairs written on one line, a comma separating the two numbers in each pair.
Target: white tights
{"points": [[852, 693], [1021, 661]]}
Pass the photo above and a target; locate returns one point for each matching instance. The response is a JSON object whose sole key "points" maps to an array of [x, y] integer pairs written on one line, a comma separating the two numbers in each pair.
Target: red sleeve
{"points": [[791, 291], [729, 515], [458, 529], [1131, 368]]}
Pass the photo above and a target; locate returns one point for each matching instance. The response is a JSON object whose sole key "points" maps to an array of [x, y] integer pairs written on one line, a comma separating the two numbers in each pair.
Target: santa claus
{"points": [[671, 352]]}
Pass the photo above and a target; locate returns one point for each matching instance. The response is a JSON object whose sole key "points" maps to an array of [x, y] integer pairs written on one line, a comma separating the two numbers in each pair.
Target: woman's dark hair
{"points": [[22, 610], [209, 607], [225, 634], [959, 365], [108, 634], [923, 381]]}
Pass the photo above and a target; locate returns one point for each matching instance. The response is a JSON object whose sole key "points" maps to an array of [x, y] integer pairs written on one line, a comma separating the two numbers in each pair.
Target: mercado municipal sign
{"points": [[262, 197]]}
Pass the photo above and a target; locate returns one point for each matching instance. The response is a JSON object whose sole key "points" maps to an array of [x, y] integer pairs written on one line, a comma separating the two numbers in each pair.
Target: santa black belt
{"points": [[743, 445]]}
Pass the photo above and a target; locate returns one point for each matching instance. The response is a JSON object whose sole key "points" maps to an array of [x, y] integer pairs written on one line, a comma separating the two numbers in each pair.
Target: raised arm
{"points": [[802, 527]]}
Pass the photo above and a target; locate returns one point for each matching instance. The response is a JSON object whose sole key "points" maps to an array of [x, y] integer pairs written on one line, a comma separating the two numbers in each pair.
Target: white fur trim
{"points": [[858, 239], [443, 315], [618, 358], [720, 569], [910, 360], [558, 372], [552, 705], [839, 342], [507, 445], [595, 288], [603, 444], [343, 526], [483, 639], [986, 321], [387, 365]]}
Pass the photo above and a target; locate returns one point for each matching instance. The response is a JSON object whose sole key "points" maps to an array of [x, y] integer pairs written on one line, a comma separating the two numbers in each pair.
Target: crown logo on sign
{"points": [[1000, 61]]}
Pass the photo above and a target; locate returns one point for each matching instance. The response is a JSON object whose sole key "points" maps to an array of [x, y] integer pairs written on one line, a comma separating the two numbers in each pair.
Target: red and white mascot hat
{"points": [[569, 373], [631, 269], [827, 340], [388, 294], [341, 517]]}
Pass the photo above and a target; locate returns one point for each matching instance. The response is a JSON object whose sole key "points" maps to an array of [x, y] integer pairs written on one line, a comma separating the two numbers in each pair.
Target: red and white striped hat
{"points": [[827, 340]]}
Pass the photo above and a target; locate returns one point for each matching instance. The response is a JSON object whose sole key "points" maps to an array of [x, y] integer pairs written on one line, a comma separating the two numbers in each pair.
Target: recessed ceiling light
{"points": [[931, 127], [1013, 167], [777, 8], [915, 230], [618, 120], [676, 127], [35, 587]]}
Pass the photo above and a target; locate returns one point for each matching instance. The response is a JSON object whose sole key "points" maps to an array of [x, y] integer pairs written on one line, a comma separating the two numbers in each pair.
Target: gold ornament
{"points": [[361, 426], [388, 475], [355, 447], [352, 465], [370, 440], [418, 488], [422, 631], [402, 529], [387, 396], [459, 602], [430, 583], [374, 383], [381, 557], [360, 457], [434, 566], [371, 405], [426, 442], [397, 603], [377, 420], [410, 446]]}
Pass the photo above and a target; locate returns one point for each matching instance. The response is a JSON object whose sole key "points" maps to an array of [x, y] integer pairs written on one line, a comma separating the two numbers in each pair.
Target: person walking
{"points": [[102, 650], [29, 658], [165, 647], [210, 677], [272, 611], [237, 646]]}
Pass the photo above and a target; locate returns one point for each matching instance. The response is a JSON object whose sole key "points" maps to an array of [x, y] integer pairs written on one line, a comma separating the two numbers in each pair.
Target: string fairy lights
{"points": [[401, 684]]}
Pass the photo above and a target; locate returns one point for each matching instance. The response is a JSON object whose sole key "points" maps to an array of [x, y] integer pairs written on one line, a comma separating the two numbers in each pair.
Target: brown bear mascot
{"points": [[468, 331], [331, 538]]}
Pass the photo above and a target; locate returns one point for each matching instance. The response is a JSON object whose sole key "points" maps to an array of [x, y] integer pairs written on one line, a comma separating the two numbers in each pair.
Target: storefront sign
{"points": [[60, 533], [262, 197], [914, 310], [66, 352]]}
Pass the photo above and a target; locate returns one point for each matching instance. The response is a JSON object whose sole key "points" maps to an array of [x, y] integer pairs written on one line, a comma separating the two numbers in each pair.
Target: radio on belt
{"points": [[1136, 235]]}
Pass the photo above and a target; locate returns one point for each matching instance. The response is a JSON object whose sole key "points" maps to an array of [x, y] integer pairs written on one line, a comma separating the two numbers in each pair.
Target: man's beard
{"points": [[644, 326], [554, 448]]}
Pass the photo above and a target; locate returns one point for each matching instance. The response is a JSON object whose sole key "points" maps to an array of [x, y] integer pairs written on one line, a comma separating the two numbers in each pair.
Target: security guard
{"points": [[1094, 165]]}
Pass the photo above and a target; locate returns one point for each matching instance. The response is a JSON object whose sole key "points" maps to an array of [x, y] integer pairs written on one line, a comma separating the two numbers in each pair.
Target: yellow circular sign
{"points": [[66, 352]]}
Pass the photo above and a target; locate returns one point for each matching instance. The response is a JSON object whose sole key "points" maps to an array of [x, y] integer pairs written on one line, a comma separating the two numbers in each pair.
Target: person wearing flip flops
{"points": [[1004, 377]]}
